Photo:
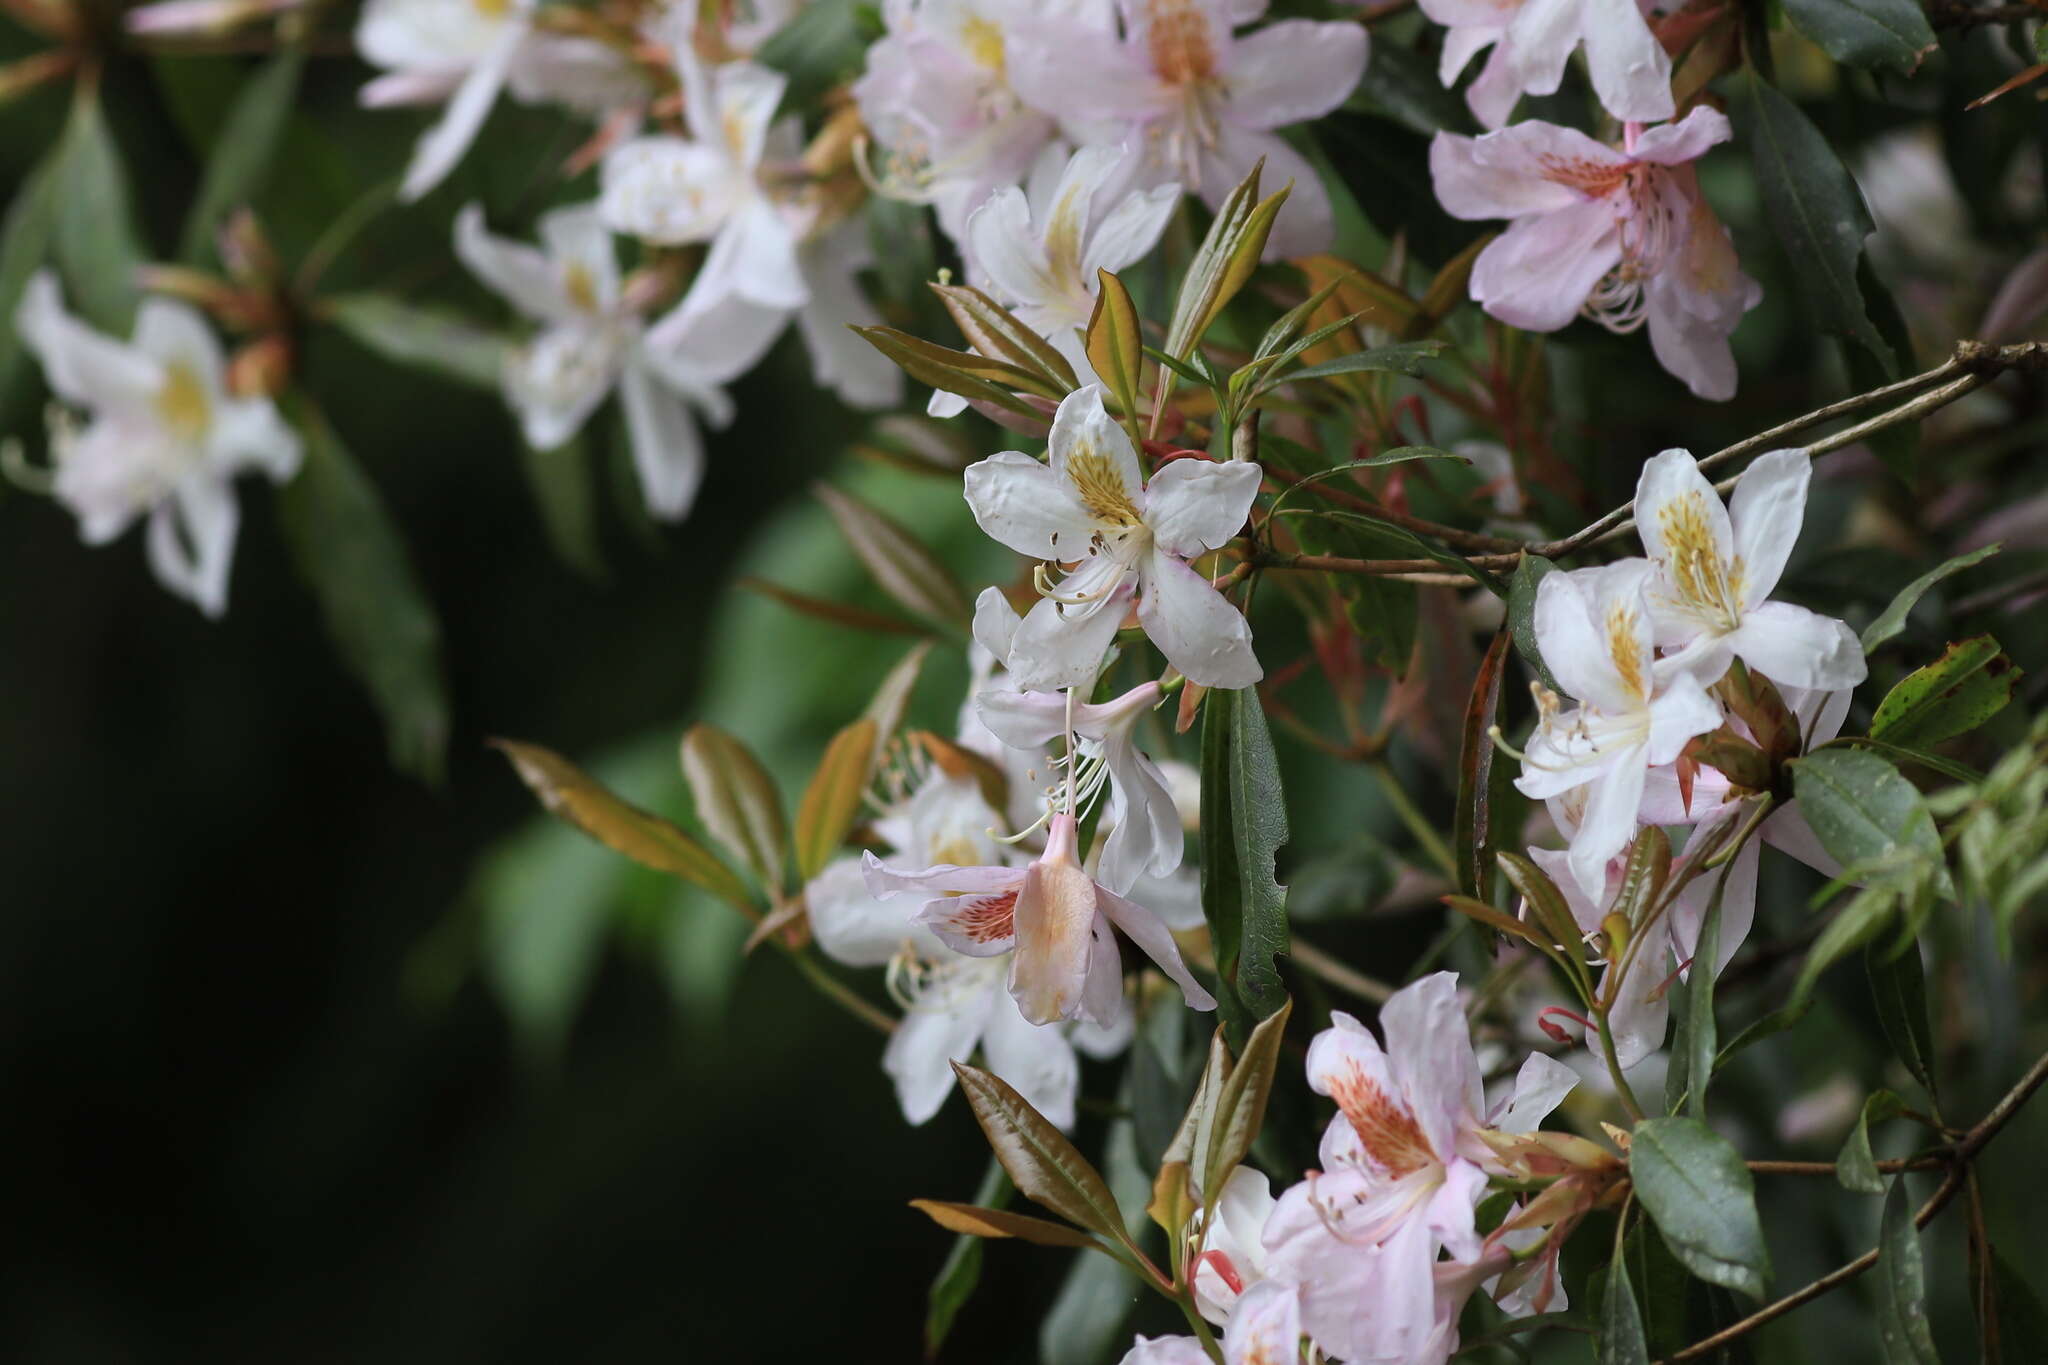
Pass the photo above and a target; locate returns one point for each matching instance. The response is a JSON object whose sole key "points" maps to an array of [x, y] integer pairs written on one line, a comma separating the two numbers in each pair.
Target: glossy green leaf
{"points": [[736, 799], [1866, 33], [1855, 1166], [1116, 342], [1861, 809], [1622, 1341], [1529, 572], [1698, 1192], [1402, 357], [351, 554], [1971, 682], [96, 246], [1892, 619], [994, 330], [1902, 1328], [422, 335], [243, 150], [976, 378], [1702, 1037], [1245, 907], [1898, 990], [24, 245], [1241, 1103]]}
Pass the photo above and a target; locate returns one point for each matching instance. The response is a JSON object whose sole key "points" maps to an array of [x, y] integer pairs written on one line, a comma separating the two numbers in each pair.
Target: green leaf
{"points": [[1403, 454], [1971, 682], [1622, 1341], [1473, 834], [1815, 209], [995, 331], [900, 564], [1223, 262], [1855, 1166], [96, 244], [1402, 357], [1899, 991], [1701, 1197], [1902, 1327], [1045, 1166], [976, 378], [1529, 572], [349, 551], [1861, 809], [563, 494], [414, 334], [1892, 619], [1865, 33], [1241, 1103], [1245, 907], [25, 237], [243, 149], [737, 800], [1701, 1036], [961, 1272], [2017, 1323]]}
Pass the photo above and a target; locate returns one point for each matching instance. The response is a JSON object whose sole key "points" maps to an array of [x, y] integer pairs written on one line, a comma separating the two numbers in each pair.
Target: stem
{"points": [[1425, 834], [1317, 962], [1341, 564], [1621, 1085], [837, 991]]}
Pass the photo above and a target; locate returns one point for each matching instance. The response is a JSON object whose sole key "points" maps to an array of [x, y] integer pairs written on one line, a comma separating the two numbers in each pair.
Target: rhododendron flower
{"points": [[1054, 920], [709, 187], [1201, 103], [1145, 833], [1716, 567], [1532, 40], [1619, 234], [953, 1003], [1265, 1329], [465, 52], [1593, 628], [1404, 1171], [937, 96], [1089, 506], [591, 343], [1233, 1248], [162, 436]]}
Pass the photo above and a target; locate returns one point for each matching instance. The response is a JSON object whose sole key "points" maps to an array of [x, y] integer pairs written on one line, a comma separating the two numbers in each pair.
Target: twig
{"points": [[1380, 567], [1316, 962], [1951, 14], [1935, 1162]]}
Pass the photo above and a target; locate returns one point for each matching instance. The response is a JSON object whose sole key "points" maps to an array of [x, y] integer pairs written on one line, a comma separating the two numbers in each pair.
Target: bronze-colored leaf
{"points": [[975, 1221], [832, 799], [737, 800]]}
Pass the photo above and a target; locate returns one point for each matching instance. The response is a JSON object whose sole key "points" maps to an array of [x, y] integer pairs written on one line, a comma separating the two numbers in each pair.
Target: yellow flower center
{"points": [[1178, 34], [984, 43], [492, 9], [1101, 489], [580, 288], [1695, 564], [182, 402], [1622, 645]]}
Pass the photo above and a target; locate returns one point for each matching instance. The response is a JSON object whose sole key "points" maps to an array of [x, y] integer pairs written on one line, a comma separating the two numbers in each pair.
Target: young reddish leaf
{"points": [[1045, 1166], [1473, 828], [837, 613], [737, 800], [980, 1222], [832, 799], [904, 568], [994, 330]]}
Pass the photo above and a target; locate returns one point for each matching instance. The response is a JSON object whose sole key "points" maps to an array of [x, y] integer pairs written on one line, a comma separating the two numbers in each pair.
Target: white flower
{"points": [[590, 344], [709, 187], [1200, 103], [162, 435], [1089, 506], [1233, 1251], [1144, 826], [1054, 921], [1593, 630], [1716, 567], [1264, 1330], [1533, 39]]}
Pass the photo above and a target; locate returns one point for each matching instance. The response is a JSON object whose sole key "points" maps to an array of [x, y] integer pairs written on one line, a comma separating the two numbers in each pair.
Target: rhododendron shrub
{"points": [[1412, 665]]}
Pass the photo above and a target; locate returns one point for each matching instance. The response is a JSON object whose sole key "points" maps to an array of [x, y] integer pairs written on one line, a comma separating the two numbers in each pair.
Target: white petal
{"points": [[84, 366], [748, 95], [442, 145], [1037, 1061], [1631, 74], [1609, 821], [713, 336], [1195, 505], [754, 255], [1689, 347], [1128, 231], [1540, 1086], [1199, 632], [1765, 513], [1683, 709], [940, 878], [1007, 251], [1165, 1351], [1028, 507], [191, 542], [1573, 635], [557, 380], [1145, 834], [1429, 1047], [174, 333], [1150, 933], [841, 360], [1265, 1327], [522, 274], [249, 433], [978, 926], [995, 622], [1093, 457], [1793, 645], [925, 1044], [668, 452], [1686, 140], [665, 190], [1540, 40], [1056, 646], [1022, 720], [1294, 70], [852, 924], [576, 238]]}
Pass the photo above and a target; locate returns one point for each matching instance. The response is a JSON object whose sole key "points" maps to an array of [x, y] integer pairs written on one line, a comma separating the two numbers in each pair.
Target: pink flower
{"points": [[1533, 39], [1621, 235]]}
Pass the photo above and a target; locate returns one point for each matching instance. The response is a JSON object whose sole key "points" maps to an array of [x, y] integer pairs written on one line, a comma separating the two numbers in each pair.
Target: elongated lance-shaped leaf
{"points": [[832, 800], [1241, 1105], [1971, 682], [1046, 1167], [892, 696], [962, 1269], [1116, 342], [1702, 1038], [1892, 619], [1243, 806], [974, 1221], [832, 613], [1622, 1340], [1700, 1195], [25, 235], [1866, 33], [737, 800], [1173, 1198], [243, 150], [1473, 825], [1856, 1166], [578, 799], [411, 334], [1898, 990], [97, 246], [1219, 268], [995, 331], [901, 565], [973, 377], [1902, 1327]]}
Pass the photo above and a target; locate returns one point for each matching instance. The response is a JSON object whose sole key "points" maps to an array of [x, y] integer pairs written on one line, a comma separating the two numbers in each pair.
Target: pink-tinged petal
{"points": [[1294, 70], [1359, 1301], [1609, 821], [1556, 864], [926, 1043], [1529, 168], [1375, 1128], [1538, 273], [1094, 459], [1541, 38], [1145, 836], [1572, 634], [1023, 720], [1540, 1086], [1788, 831], [1495, 92], [1683, 709], [83, 366], [1038, 1063], [520, 273], [1102, 996], [400, 89], [1155, 940], [1199, 632], [1165, 1351], [442, 145], [1450, 1209], [1631, 73], [1641, 1013], [668, 452], [1738, 906], [1692, 349], [1429, 1046], [1028, 507], [1128, 231], [1196, 505], [1765, 513], [1006, 251], [1055, 924], [1686, 140], [1265, 1327], [1065, 70], [883, 880], [191, 542], [1463, 42], [1059, 646], [978, 926], [1793, 645], [1306, 223]]}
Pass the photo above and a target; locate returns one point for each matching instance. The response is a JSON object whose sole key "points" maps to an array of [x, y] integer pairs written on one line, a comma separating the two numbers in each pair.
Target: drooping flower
{"points": [[464, 52], [1201, 103], [1233, 1248], [1404, 1169], [591, 343], [1621, 235], [162, 435], [1716, 567], [1144, 825], [1532, 40], [1634, 713], [1089, 506], [1052, 918], [1265, 1329]]}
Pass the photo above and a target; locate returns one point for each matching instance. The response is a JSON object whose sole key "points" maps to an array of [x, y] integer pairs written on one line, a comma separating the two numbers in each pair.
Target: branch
{"points": [[1953, 14], [1958, 1160]]}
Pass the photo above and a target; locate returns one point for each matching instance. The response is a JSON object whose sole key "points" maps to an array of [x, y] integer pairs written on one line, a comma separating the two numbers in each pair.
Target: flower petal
{"points": [[1609, 821], [922, 1050], [1093, 458], [191, 542], [1631, 73], [853, 924], [1058, 646], [1028, 507], [521, 273], [1055, 924], [1196, 505], [1155, 940], [1038, 1062], [442, 145], [84, 366], [668, 452], [1265, 1327], [1429, 1046], [1538, 273], [1765, 513], [978, 926], [1128, 231], [1540, 1086], [1293, 70], [1199, 632], [1686, 140], [1805, 649], [1006, 249]]}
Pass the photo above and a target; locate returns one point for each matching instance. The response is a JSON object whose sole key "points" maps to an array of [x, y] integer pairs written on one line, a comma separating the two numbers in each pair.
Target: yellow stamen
{"points": [[182, 402], [1100, 488], [1621, 644], [580, 288]]}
